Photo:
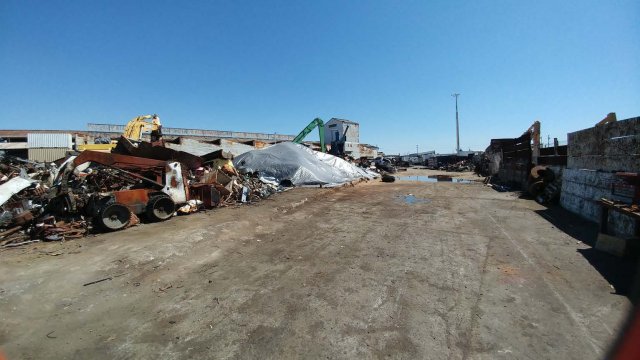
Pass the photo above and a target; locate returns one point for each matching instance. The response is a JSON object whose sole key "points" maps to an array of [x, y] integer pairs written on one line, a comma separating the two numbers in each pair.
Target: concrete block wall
{"points": [[594, 155], [582, 188], [609, 147]]}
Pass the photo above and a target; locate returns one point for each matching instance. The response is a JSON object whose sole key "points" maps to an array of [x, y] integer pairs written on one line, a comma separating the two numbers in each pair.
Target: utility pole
{"points": [[455, 95], [416, 150]]}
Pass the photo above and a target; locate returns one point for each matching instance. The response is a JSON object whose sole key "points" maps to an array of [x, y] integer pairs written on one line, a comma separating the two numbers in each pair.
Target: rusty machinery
{"points": [[119, 186]]}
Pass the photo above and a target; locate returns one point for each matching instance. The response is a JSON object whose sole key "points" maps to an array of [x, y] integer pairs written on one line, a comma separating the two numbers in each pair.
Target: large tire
{"points": [[160, 208], [536, 188], [542, 172], [388, 178], [113, 217]]}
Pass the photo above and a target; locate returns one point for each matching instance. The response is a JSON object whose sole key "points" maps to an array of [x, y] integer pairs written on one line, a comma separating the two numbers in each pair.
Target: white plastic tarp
{"points": [[300, 165]]}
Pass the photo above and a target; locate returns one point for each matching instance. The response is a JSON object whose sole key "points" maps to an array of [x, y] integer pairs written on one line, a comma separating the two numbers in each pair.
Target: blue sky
{"points": [[273, 66]]}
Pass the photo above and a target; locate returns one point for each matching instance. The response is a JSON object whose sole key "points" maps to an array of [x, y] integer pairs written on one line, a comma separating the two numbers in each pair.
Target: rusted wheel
{"points": [[536, 188], [388, 178], [113, 217], [542, 172], [160, 208]]}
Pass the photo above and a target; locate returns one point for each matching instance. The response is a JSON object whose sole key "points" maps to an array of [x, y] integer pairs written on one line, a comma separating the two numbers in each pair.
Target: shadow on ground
{"points": [[619, 272]]}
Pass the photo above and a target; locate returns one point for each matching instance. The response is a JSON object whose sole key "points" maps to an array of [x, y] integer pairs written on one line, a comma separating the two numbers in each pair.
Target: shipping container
{"points": [[44, 140], [47, 154]]}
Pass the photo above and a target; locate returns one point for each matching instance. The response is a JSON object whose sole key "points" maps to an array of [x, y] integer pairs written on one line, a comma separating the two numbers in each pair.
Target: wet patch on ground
{"points": [[433, 179], [412, 199]]}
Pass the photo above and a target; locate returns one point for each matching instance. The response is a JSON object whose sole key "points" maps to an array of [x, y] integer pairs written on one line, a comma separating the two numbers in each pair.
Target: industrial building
{"points": [[112, 130], [337, 129], [50, 145]]}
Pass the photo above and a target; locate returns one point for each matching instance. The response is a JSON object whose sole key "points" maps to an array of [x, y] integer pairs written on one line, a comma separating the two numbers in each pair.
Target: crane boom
{"points": [[317, 122]]}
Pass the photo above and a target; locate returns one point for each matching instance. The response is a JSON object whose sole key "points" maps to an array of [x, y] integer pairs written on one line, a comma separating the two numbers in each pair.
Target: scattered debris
{"points": [[98, 281], [493, 182], [385, 165], [544, 186], [460, 166], [20, 243], [104, 279], [388, 178]]}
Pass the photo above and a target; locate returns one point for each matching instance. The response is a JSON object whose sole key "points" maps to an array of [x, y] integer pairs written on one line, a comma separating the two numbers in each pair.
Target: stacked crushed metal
{"points": [[98, 191]]}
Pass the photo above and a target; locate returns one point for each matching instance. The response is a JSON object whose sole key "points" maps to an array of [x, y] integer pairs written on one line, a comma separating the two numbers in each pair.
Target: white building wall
{"points": [[338, 126], [353, 133]]}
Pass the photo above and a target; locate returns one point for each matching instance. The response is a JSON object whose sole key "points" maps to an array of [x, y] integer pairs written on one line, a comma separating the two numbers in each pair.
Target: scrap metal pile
{"points": [[95, 192], [98, 191], [24, 187], [460, 166]]}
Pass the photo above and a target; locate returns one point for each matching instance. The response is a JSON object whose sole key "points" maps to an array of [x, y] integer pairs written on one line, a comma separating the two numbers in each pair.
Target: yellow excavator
{"points": [[132, 131]]}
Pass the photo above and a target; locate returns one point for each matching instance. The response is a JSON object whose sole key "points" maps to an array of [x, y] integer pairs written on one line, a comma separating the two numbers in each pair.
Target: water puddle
{"points": [[433, 178], [412, 199]]}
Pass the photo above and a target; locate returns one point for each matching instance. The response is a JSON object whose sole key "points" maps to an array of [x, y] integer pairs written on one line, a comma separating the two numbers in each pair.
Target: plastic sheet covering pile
{"points": [[301, 166]]}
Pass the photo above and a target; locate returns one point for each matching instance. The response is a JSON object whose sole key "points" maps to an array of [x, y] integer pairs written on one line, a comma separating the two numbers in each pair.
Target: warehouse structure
{"points": [[337, 130], [49, 145]]}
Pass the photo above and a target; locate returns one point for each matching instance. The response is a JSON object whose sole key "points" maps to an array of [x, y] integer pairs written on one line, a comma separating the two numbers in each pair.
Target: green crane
{"points": [[317, 122]]}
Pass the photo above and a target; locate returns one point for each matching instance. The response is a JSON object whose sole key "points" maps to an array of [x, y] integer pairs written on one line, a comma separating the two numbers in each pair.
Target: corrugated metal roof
{"points": [[345, 121], [199, 148], [49, 140]]}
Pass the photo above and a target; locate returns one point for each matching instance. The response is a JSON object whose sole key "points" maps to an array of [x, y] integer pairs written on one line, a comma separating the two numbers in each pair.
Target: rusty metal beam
{"points": [[148, 151], [117, 160]]}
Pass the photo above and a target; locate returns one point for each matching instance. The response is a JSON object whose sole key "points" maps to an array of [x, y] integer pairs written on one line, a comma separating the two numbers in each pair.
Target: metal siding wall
{"points": [[44, 140], [353, 134], [47, 154]]}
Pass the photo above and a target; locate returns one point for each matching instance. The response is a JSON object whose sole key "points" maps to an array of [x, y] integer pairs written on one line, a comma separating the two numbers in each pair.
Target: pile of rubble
{"points": [[24, 188], [97, 191], [460, 166]]}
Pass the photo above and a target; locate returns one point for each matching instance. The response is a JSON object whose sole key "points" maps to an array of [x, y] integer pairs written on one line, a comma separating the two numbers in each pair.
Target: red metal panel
{"points": [[136, 200]]}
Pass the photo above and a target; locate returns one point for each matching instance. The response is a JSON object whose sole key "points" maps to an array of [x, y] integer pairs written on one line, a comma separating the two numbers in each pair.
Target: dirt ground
{"points": [[412, 270]]}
